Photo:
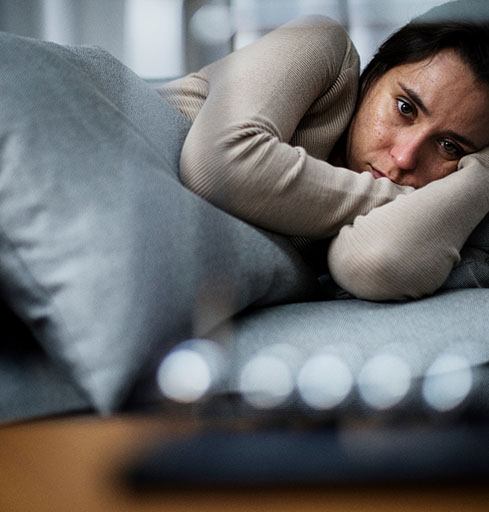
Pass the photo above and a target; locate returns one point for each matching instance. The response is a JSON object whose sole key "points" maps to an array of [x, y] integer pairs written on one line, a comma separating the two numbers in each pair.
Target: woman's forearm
{"points": [[280, 188], [407, 248]]}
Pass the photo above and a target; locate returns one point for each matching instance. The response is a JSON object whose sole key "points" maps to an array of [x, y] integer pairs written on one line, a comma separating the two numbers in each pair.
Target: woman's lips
{"points": [[377, 174]]}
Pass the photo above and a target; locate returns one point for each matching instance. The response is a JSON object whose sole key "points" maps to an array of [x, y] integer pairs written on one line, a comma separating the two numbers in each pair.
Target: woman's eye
{"points": [[450, 148], [405, 108]]}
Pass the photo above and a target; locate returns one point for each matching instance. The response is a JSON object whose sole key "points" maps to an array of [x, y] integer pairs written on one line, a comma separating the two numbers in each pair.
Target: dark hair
{"points": [[419, 40]]}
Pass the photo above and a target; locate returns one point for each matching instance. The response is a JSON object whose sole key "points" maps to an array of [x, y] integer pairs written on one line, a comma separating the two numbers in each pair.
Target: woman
{"points": [[279, 140]]}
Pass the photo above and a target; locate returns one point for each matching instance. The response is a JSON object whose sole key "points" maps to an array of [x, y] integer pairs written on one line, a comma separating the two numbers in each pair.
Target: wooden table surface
{"points": [[73, 464]]}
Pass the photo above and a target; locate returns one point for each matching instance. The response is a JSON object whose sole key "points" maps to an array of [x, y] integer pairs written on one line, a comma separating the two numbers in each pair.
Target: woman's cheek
{"points": [[383, 124]]}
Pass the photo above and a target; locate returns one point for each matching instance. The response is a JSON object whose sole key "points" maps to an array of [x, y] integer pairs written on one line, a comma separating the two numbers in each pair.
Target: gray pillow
{"points": [[104, 255], [30, 384]]}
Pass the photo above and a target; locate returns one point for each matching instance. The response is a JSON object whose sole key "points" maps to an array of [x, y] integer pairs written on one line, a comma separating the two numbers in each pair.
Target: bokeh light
{"points": [[191, 370], [266, 381], [448, 382], [212, 24], [324, 381], [384, 380]]}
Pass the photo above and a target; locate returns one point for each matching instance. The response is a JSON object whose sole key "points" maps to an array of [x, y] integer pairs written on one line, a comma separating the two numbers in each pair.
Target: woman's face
{"points": [[417, 121]]}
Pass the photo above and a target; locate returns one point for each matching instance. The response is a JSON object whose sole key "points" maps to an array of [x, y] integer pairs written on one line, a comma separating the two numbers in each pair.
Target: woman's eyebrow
{"points": [[462, 140], [416, 99]]}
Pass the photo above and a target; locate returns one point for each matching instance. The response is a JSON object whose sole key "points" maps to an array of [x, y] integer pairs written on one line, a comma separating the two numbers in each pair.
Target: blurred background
{"points": [[168, 38]]}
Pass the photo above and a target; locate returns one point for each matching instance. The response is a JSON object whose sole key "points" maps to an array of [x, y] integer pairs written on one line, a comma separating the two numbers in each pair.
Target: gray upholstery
{"points": [[418, 335], [31, 384], [109, 261], [103, 254], [419, 331], [32, 387]]}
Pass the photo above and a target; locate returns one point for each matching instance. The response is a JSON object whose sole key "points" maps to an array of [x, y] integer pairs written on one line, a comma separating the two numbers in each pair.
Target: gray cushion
{"points": [[418, 332], [103, 254], [452, 319]]}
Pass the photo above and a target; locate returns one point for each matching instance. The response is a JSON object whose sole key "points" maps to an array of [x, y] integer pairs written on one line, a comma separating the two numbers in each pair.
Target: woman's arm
{"points": [[407, 248], [297, 85]]}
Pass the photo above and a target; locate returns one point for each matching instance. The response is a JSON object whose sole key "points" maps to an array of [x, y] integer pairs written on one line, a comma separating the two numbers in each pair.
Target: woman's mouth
{"points": [[376, 173]]}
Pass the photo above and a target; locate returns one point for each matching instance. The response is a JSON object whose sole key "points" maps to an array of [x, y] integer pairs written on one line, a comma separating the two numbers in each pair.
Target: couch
{"points": [[107, 262]]}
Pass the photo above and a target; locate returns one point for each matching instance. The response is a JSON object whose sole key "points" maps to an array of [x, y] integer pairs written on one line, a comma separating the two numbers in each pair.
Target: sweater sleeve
{"points": [[407, 248], [262, 99]]}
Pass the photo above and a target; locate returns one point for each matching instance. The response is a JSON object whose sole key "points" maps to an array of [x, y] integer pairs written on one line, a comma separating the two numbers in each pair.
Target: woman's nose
{"points": [[405, 151]]}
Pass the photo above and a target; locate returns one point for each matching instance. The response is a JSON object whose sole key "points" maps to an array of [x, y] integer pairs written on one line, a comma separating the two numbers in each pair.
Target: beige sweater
{"points": [[265, 119]]}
